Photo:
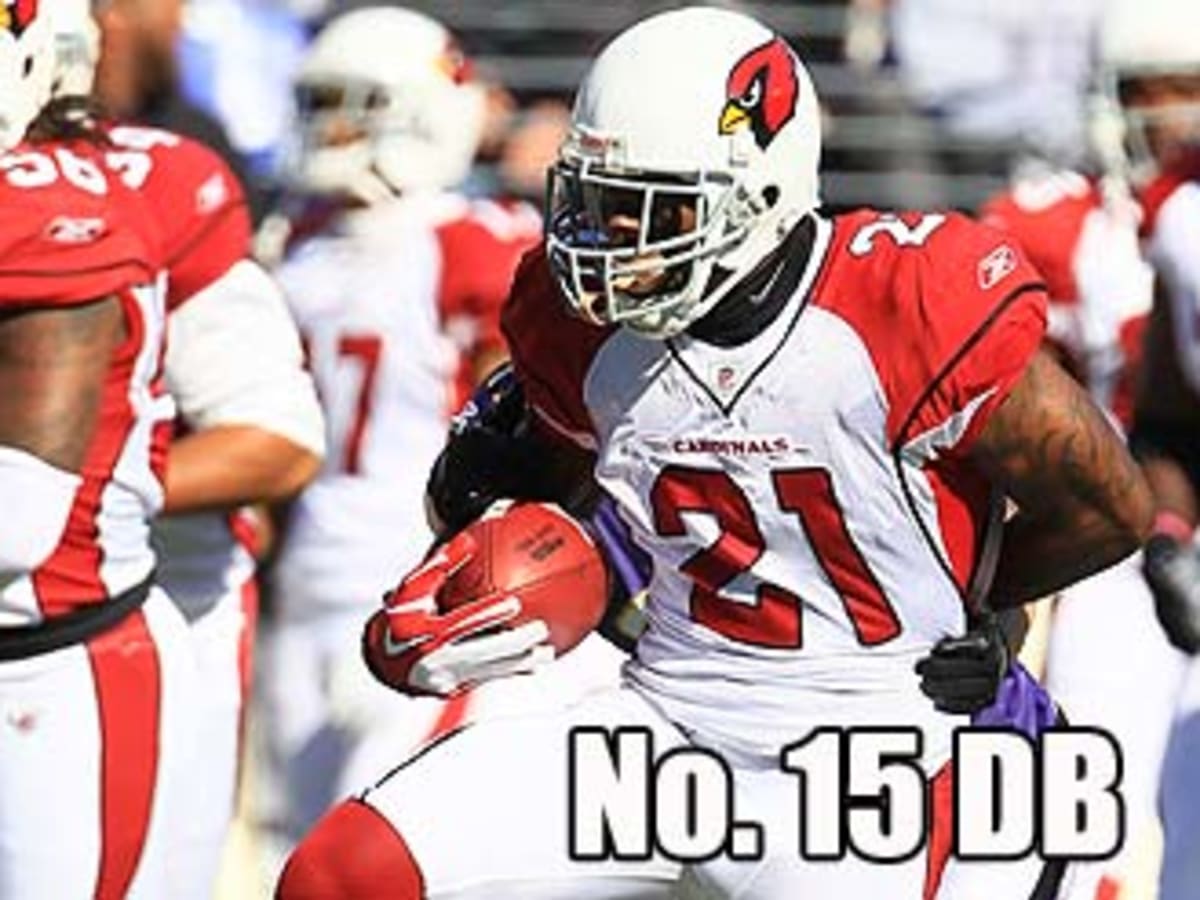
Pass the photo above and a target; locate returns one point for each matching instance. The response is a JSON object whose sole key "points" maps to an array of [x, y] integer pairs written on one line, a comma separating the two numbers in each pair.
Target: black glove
{"points": [[962, 674], [486, 457], [1172, 571]]}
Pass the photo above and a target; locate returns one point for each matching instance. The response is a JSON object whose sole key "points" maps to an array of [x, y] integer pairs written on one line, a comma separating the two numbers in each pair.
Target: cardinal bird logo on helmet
{"points": [[761, 92], [15, 15]]}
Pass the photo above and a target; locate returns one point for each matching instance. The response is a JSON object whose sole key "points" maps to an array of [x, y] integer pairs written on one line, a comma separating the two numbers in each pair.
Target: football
{"points": [[539, 553]]}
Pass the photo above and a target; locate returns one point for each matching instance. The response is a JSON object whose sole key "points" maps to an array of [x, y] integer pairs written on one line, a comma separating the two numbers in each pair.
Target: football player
{"points": [[1153, 66], [96, 672], [249, 427], [807, 423], [397, 293]]}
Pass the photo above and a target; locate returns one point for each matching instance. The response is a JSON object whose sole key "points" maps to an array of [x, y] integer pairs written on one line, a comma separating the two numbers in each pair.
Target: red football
{"points": [[541, 554]]}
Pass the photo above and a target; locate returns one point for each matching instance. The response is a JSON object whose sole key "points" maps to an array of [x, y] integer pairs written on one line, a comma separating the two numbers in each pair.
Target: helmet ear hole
{"points": [[771, 195]]}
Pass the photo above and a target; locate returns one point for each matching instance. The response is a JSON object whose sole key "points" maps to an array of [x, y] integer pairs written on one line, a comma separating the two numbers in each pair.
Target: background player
{"points": [[397, 294], [95, 667], [1153, 65], [747, 315], [249, 428], [1081, 233]]}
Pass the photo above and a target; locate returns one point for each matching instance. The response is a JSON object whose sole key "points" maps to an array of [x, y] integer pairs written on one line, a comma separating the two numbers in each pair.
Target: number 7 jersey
{"points": [[807, 498]]}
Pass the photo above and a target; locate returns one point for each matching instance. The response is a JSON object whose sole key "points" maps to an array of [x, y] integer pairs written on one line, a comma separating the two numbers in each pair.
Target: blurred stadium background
{"points": [[927, 100]]}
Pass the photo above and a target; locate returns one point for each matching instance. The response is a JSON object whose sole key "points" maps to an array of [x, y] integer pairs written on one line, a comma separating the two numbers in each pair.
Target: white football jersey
{"points": [[814, 520], [390, 303]]}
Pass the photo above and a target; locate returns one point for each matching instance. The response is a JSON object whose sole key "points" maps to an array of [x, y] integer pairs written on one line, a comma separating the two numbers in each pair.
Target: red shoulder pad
{"points": [[950, 311], [62, 245], [1046, 218], [480, 253], [199, 202], [551, 349]]}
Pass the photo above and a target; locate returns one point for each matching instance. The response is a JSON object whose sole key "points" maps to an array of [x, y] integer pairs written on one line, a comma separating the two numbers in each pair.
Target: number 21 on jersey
{"points": [[774, 619]]}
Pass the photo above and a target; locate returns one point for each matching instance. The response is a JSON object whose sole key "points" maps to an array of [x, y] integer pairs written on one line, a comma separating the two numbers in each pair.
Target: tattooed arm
{"points": [[1083, 503]]}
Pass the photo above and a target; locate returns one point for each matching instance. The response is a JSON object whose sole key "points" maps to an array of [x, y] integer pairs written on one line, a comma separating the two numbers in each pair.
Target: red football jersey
{"points": [[71, 234], [198, 201], [1100, 287]]}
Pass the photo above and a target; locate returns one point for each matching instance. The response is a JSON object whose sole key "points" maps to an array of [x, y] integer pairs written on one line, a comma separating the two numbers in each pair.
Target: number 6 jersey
{"points": [[806, 496]]}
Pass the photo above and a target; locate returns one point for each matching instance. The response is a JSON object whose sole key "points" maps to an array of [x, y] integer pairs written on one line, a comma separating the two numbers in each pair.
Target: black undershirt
{"points": [[754, 304]]}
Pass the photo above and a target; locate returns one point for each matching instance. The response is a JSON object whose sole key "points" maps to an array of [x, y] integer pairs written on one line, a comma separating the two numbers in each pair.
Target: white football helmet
{"points": [[386, 104], [701, 128], [1144, 39], [26, 66], [77, 47]]}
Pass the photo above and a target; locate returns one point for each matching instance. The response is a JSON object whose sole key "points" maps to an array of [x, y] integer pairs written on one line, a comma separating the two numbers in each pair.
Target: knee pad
{"points": [[352, 853]]}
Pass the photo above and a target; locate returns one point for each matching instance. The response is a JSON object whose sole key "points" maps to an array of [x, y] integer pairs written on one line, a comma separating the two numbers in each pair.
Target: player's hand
{"points": [[962, 674], [1172, 571], [412, 646]]}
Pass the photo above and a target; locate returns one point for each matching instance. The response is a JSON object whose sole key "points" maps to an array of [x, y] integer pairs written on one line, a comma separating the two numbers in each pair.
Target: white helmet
{"points": [[1143, 39], [702, 126], [397, 79], [26, 66], [77, 47]]}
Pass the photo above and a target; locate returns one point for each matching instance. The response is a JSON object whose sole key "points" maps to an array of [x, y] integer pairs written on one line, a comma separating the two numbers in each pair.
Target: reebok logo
{"points": [[997, 266]]}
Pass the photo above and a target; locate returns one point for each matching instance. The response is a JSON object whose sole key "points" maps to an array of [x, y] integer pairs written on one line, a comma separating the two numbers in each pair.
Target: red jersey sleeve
{"points": [[202, 206], [480, 253], [955, 317], [984, 305], [552, 351], [62, 246]]}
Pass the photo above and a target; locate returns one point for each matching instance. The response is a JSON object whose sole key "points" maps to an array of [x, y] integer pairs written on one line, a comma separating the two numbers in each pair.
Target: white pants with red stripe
{"points": [[221, 641], [484, 815], [93, 742]]}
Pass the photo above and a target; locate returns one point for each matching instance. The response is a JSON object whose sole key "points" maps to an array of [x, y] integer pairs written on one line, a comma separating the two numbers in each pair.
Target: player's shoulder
{"points": [[177, 157], [1052, 203], [1047, 213], [552, 349], [70, 232], [186, 180], [925, 280], [538, 324], [947, 309], [535, 305], [474, 228], [924, 259], [1173, 194]]}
